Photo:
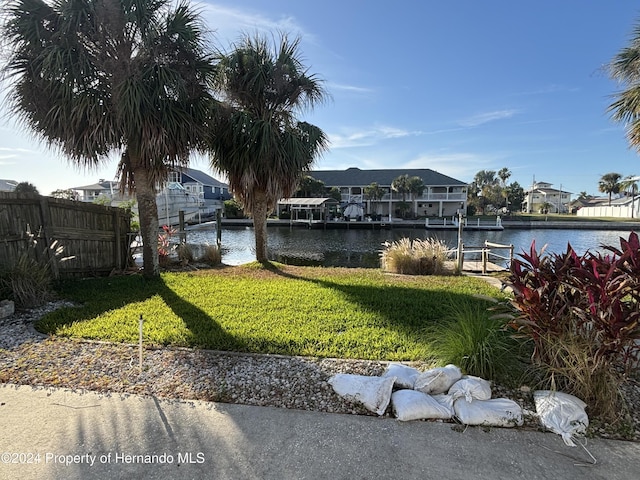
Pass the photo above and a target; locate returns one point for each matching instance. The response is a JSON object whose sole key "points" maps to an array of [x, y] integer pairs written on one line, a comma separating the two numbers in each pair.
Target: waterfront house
{"points": [[542, 197], [102, 188], [189, 190], [443, 196]]}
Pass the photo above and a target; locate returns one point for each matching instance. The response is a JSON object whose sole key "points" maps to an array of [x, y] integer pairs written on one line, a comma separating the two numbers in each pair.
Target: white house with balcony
{"points": [[542, 197], [442, 195]]}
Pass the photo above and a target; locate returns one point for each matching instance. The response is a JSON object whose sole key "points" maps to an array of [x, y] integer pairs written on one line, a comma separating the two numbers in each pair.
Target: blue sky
{"points": [[456, 86]]}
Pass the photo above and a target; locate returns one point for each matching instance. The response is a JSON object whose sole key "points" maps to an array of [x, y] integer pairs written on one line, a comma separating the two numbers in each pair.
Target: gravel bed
{"points": [[31, 358]]}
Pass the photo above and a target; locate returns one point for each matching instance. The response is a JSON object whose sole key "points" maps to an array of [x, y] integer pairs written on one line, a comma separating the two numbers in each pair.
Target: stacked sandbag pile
{"points": [[444, 393], [439, 393]]}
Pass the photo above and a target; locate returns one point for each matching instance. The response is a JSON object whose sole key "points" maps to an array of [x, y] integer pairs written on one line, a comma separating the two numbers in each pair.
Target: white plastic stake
{"points": [[140, 344]]}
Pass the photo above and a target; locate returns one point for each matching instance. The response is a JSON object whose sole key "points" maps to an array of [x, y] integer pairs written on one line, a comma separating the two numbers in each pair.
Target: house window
{"points": [[174, 177]]}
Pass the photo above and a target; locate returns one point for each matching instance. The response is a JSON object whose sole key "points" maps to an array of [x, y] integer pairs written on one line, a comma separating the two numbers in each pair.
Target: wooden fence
{"points": [[94, 235]]}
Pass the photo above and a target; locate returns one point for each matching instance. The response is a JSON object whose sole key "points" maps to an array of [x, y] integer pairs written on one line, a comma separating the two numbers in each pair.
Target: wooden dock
{"points": [[477, 266], [479, 259]]}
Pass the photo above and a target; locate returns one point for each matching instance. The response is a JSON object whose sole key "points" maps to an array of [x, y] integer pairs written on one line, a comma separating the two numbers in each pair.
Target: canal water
{"points": [[361, 248]]}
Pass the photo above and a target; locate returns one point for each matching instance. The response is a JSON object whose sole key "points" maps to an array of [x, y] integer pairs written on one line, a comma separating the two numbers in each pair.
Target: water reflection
{"points": [[361, 248]]}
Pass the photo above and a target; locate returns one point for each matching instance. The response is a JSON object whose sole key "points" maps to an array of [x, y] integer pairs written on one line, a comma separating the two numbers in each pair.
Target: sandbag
{"points": [[405, 375], [373, 392], [471, 388], [561, 413], [413, 405], [437, 380], [498, 412]]}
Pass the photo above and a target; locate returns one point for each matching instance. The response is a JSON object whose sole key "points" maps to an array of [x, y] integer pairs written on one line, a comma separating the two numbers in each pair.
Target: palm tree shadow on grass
{"points": [[96, 300]]}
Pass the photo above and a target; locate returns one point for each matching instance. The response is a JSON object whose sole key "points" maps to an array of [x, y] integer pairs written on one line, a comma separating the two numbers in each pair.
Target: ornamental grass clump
{"points": [[414, 257], [583, 317], [211, 255], [29, 280], [476, 339]]}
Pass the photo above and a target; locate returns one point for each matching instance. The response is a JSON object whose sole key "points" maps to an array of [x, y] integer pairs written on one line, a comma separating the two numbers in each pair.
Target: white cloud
{"points": [[368, 137], [230, 23], [349, 88], [487, 117]]}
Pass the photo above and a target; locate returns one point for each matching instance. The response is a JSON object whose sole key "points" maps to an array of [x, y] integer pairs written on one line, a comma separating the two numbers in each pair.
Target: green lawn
{"points": [[325, 312]]}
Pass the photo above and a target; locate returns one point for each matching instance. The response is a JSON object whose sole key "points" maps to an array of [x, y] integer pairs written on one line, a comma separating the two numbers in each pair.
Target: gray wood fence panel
{"points": [[95, 235]]}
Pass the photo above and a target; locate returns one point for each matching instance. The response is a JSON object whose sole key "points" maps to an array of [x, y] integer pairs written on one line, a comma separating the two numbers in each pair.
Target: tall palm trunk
{"points": [[148, 212], [260, 226]]}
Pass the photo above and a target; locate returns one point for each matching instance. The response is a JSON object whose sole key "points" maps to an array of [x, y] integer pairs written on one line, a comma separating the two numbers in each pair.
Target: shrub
{"points": [[583, 317], [475, 338], [29, 281], [185, 253], [211, 255], [232, 209], [414, 257], [164, 245]]}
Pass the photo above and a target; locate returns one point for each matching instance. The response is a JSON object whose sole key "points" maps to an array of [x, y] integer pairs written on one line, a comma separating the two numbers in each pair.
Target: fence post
{"points": [[182, 233], [485, 254], [218, 227], [45, 217], [118, 246]]}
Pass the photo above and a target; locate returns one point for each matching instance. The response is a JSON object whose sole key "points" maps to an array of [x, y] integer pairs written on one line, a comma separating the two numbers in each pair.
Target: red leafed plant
{"points": [[164, 245], [582, 312]]}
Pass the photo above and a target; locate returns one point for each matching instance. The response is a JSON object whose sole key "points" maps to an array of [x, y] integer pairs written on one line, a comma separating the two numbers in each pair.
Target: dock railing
{"points": [[487, 255]]}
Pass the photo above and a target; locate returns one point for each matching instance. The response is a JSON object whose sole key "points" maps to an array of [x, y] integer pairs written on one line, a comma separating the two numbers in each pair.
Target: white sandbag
{"points": [[437, 380], [498, 412], [413, 405], [471, 388], [373, 392], [444, 400], [405, 375], [561, 413]]}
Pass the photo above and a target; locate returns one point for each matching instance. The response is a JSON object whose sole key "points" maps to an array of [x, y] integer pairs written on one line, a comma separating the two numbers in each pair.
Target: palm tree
{"points": [[610, 183], [416, 187], [256, 139], [401, 185], [374, 192], [310, 187], [625, 69], [504, 174], [126, 77], [630, 184]]}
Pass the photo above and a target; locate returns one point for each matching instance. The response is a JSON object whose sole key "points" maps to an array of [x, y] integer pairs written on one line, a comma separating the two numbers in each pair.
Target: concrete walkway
{"points": [[72, 436]]}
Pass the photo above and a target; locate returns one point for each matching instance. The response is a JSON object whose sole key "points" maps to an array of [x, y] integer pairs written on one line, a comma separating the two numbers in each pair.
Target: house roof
{"points": [[549, 190], [7, 185], [355, 177], [201, 177], [310, 202], [101, 185]]}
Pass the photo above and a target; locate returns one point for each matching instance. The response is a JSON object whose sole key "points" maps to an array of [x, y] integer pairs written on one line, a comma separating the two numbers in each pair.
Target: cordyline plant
{"points": [[567, 303], [592, 295]]}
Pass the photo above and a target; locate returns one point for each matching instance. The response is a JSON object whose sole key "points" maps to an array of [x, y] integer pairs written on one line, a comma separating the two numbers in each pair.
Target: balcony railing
{"points": [[397, 197]]}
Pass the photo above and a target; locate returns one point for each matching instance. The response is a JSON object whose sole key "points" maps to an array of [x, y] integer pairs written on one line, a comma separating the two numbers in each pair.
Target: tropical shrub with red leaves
{"points": [[582, 313], [164, 244]]}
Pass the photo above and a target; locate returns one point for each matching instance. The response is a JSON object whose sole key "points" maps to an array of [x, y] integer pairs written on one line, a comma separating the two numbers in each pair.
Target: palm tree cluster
{"points": [[491, 188], [137, 79]]}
